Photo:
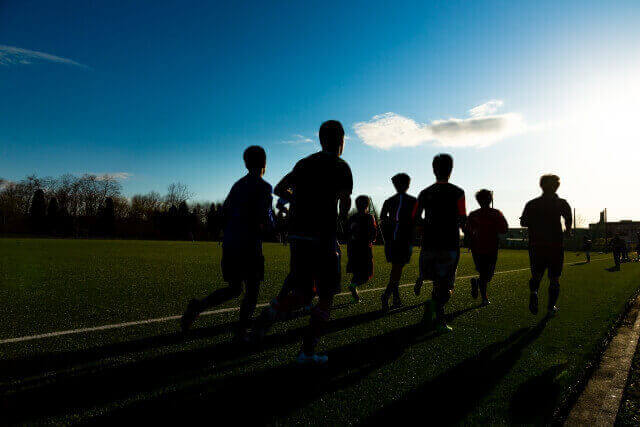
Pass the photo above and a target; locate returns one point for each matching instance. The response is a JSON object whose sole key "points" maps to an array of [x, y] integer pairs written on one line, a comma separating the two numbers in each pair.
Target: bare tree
{"points": [[144, 205], [176, 194]]}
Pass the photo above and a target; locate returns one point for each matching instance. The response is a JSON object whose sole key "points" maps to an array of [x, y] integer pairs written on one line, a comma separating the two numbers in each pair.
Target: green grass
{"points": [[500, 365]]}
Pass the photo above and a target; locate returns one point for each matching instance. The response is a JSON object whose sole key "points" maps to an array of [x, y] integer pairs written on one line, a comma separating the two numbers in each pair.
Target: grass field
{"points": [[500, 365]]}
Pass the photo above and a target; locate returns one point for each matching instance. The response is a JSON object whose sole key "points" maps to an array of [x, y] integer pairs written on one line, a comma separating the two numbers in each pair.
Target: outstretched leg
{"points": [[393, 287], [534, 285], [554, 293], [217, 297], [248, 304]]}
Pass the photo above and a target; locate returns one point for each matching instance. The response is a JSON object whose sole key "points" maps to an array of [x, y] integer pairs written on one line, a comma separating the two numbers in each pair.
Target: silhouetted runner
{"points": [[247, 212], [443, 205], [542, 216], [314, 188], [398, 224], [362, 230], [483, 227], [587, 245]]}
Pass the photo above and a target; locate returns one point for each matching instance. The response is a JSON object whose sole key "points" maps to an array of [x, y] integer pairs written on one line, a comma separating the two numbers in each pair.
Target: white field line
{"points": [[205, 313]]}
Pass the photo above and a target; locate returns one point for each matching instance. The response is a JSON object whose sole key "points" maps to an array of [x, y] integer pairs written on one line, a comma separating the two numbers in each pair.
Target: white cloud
{"points": [[120, 176], [486, 109], [10, 55], [298, 139], [483, 128]]}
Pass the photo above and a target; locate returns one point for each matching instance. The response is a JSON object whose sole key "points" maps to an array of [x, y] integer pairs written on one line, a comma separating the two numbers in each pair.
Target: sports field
{"points": [[500, 364]]}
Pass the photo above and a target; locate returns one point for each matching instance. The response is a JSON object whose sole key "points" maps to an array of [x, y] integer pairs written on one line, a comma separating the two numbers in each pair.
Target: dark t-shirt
{"points": [[483, 227], [398, 217], [247, 212], [444, 214], [542, 217], [362, 229], [317, 181]]}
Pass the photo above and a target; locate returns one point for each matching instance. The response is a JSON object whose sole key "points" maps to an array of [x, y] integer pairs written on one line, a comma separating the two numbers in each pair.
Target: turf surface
{"points": [[500, 365]]}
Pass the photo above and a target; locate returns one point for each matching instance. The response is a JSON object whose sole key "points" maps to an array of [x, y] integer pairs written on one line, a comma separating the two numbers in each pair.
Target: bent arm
{"points": [[284, 189]]}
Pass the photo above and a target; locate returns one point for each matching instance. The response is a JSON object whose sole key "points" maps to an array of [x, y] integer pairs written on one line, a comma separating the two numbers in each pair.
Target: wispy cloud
{"points": [[298, 139], [10, 55], [120, 176], [488, 108], [483, 128]]}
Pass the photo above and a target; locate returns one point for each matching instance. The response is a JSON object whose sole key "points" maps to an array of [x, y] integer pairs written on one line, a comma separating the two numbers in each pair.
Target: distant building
{"points": [[627, 228]]}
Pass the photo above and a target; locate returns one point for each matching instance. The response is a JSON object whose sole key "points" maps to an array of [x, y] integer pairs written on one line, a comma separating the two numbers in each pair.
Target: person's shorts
{"points": [[240, 265], [398, 251], [550, 258], [440, 266], [485, 264], [360, 263], [315, 262]]}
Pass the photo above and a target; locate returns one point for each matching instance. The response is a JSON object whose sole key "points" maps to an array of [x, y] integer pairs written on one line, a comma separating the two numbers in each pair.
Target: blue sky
{"points": [[160, 92]]}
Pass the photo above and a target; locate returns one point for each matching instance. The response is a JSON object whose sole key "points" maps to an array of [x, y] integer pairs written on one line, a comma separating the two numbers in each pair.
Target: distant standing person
{"points": [[483, 228], [542, 216], [443, 206], [247, 212], [362, 231], [397, 219], [617, 246], [315, 188], [587, 245]]}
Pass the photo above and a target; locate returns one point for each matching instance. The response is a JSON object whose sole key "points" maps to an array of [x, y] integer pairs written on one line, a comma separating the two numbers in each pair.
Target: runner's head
{"points": [[549, 183], [255, 159], [401, 182], [442, 167], [332, 137], [362, 204], [484, 198]]}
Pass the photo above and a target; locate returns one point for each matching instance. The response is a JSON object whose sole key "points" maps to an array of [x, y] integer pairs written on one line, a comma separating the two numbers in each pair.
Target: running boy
{"points": [[315, 187], [247, 212], [546, 247], [483, 227], [443, 205], [362, 229], [398, 222]]}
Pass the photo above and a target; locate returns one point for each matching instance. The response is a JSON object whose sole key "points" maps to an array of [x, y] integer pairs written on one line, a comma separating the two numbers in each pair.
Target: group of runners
{"points": [[318, 194]]}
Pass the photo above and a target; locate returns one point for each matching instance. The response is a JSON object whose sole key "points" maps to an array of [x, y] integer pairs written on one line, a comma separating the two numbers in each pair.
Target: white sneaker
{"points": [[311, 359]]}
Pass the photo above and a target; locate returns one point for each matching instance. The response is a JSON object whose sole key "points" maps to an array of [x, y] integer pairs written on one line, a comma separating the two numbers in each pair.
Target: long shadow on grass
{"points": [[263, 397], [96, 385], [451, 396], [54, 361]]}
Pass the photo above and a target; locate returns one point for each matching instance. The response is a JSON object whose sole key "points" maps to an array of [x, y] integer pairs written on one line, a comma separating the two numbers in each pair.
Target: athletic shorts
{"points": [[239, 265], [315, 262], [485, 264], [360, 263], [398, 252], [550, 258], [439, 266]]}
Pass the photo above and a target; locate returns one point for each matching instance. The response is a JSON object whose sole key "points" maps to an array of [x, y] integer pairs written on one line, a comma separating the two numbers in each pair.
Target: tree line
{"points": [[93, 206]]}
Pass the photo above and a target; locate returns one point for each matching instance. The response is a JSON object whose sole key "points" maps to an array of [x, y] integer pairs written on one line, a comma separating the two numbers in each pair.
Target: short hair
{"points": [[255, 157], [401, 182], [549, 183], [442, 166], [484, 197], [331, 135], [362, 203]]}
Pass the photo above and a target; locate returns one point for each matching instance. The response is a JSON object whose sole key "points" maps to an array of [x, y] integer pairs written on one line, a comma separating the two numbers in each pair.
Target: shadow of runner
{"points": [[261, 397], [97, 385], [448, 398], [14, 369], [537, 398]]}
